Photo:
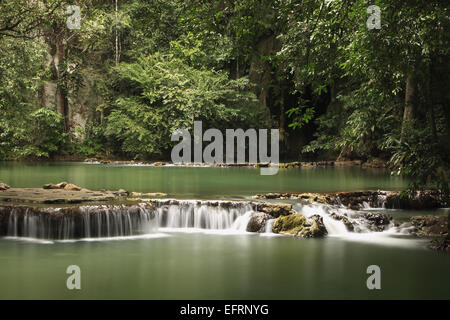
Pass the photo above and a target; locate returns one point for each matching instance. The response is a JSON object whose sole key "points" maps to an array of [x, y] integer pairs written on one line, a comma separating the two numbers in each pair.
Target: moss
{"points": [[291, 224]]}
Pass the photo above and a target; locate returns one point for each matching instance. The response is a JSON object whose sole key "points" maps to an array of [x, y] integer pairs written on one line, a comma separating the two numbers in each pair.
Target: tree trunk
{"points": [[282, 119], [408, 112], [61, 97], [116, 35]]}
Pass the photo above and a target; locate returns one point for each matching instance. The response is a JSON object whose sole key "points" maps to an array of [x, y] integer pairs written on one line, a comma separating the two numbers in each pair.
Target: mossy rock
{"points": [[298, 225], [291, 224]]}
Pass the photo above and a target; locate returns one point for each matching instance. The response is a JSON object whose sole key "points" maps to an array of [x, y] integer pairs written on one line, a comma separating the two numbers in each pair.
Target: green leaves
{"points": [[163, 92], [300, 116]]}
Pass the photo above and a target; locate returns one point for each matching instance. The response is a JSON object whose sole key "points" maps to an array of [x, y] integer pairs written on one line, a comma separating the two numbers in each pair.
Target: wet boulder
{"points": [[348, 224], [258, 221], [377, 221], [298, 225], [313, 228]]}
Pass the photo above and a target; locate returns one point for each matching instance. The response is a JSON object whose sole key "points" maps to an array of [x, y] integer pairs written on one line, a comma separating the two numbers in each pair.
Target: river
{"points": [[171, 262]]}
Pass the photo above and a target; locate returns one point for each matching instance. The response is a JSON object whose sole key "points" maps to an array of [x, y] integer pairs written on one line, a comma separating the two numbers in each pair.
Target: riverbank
{"points": [[292, 164]]}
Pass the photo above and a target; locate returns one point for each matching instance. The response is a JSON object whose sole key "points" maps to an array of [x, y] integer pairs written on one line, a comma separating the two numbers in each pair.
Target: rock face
{"points": [[275, 209], [3, 186], [257, 222], [298, 225]]}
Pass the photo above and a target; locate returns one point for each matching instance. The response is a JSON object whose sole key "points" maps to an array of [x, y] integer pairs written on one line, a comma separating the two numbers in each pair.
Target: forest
{"points": [[118, 84]]}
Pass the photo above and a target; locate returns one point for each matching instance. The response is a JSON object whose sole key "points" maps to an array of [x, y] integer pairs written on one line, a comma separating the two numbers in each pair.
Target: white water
{"points": [[155, 218], [391, 236], [334, 227], [124, 222]]}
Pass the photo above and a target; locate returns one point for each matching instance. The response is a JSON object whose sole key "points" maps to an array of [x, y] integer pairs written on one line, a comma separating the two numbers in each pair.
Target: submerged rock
{"points": [[298, 225]]}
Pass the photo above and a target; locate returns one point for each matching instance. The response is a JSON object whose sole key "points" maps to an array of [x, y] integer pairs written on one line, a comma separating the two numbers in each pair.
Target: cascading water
{"points": [[218, 215], [146, 219], [334, 227], [82, 222], [122, 220]]}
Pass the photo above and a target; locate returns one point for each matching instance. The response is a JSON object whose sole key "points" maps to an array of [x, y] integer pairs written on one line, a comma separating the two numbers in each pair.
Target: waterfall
{"points": [[217, 215], [80, 222], [169, 215], [269, 225], [105, 221], [334, 227]]}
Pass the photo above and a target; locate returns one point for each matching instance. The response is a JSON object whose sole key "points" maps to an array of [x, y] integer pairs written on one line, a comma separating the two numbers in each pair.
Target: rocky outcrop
{"points": [[428, 199], [298, 225], [4, 186], [57, 194], [430, 226], [377, 221], [355, 200], [311, 197], [258, 221], [275, 209]]}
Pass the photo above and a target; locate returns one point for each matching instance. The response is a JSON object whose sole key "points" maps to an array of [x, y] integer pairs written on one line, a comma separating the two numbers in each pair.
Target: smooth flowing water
{"points": [[198, 182], [200, 250]]}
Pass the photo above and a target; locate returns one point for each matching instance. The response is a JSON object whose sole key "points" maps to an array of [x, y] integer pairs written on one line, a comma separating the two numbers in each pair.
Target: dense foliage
{"points": [[137, 70]]}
